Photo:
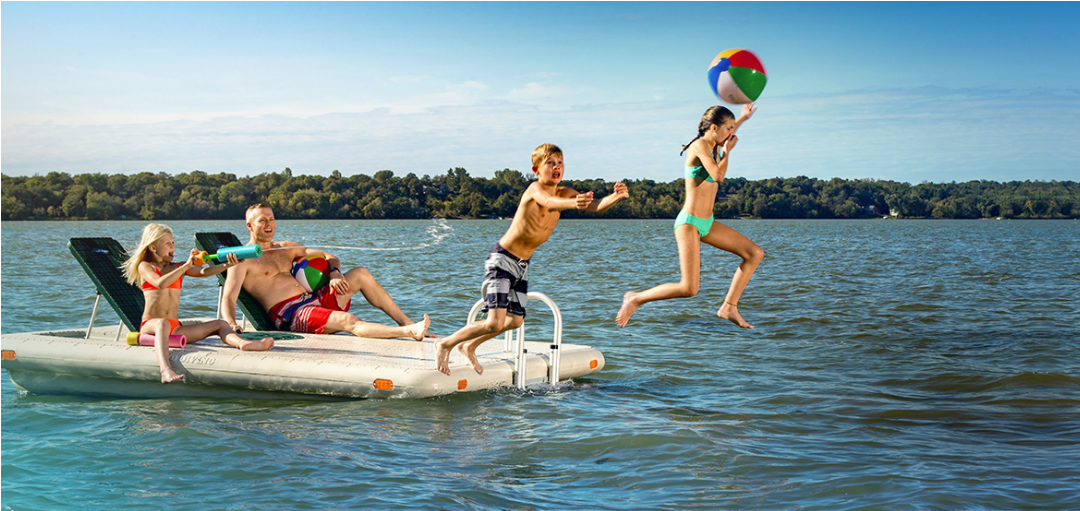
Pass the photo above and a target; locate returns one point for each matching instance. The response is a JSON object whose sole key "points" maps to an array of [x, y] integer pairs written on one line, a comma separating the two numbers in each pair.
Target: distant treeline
{"points": [[198, 195]]}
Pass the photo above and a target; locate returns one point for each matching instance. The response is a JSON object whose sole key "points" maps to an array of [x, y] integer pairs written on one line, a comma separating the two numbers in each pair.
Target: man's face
{"points": [[260, 224]]}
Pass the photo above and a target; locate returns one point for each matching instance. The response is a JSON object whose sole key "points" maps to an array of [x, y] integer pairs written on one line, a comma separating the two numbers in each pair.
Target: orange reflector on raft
{"points": [[593, 364], [8, 354], [461, 384], [382, 384]]}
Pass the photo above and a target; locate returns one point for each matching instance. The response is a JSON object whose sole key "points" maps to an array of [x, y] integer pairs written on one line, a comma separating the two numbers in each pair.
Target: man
{"points": [[269, 280]]}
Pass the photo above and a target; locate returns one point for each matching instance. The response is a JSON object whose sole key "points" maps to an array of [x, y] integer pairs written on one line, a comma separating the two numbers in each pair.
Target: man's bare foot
{"points": [[628, 308], [418, 330], [470, 353], [731, 313], [260, 345], [169, 376], [442, 357]]}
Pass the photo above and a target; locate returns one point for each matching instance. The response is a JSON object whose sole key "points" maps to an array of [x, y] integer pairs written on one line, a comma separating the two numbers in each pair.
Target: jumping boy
{"points": [[506, 278]]}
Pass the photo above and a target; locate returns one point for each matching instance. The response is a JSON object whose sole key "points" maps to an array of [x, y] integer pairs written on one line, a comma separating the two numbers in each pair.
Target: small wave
{"points": [[437, 232]]}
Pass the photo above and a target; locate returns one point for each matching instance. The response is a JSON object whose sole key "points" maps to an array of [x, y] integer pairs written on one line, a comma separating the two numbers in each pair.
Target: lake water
{"points": [[895, 365]]}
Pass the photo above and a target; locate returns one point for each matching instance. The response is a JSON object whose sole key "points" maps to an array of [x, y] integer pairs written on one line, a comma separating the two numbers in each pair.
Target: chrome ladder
{"points": [[520, 360]]}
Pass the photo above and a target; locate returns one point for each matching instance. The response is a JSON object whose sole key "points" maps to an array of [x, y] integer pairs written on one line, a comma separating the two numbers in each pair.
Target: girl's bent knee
{"points": [[757, 254]]}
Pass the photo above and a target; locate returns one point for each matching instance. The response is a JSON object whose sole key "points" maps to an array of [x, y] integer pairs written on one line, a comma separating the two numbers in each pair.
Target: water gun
{"points": [[137, 339], [242, 252]]}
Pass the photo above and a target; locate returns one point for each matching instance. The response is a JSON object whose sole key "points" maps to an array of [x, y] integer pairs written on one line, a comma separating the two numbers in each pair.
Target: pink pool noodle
{"points": [[137, 339]]}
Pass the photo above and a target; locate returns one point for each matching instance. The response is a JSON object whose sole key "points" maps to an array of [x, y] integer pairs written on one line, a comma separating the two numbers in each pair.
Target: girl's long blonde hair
{"points": [[150, 235]]}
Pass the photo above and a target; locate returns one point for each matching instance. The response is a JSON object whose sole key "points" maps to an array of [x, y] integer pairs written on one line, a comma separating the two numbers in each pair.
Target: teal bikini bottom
{"points": [[703, 224]]}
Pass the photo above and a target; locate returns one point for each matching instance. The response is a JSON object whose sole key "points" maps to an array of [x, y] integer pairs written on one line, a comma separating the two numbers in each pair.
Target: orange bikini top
{"points": [[178, 284]]}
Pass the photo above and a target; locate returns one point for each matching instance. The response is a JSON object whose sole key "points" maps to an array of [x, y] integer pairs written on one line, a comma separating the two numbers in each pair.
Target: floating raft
{"points": [[96, 361], [298, 366]]}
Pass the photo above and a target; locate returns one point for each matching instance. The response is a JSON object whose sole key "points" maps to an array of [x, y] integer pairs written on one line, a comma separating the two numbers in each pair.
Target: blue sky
{"points": [[910, 92]]}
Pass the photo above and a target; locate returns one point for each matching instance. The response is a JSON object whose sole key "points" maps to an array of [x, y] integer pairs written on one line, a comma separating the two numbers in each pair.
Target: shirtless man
{"points": [[506, 280], [270, 281]]}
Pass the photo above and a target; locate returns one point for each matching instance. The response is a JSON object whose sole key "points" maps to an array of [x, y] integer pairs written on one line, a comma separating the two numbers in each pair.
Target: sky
{"points": [[909, 92]]}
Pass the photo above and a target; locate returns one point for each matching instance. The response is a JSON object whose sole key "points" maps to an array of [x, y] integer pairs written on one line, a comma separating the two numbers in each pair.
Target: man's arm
{"points": [[234, 282], [337, 277]]}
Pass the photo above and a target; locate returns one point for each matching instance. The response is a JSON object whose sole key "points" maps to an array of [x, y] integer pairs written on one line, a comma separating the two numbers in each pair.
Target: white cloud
{"points": [[914, 135]]}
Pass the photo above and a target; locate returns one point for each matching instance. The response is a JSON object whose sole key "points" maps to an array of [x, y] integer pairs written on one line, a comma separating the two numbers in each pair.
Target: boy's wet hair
{"points": [[542, 152], [717, 115]]}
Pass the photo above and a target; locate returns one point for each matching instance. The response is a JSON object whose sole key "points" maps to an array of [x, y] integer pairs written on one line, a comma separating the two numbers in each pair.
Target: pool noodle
{"points": [[140, 339]]}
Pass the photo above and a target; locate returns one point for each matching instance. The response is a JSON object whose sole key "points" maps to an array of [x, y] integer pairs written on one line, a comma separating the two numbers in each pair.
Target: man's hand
{"points": [[339, 282]]}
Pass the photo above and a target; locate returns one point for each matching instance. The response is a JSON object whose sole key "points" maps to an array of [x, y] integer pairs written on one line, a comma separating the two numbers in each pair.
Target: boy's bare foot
{"points": [[731, 313], [260, 345], [471, 355], [418, 330], [169, 376], [628, 308], [442, 357]]}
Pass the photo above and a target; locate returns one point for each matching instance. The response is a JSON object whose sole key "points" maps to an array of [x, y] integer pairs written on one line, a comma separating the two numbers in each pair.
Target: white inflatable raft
{"points": [[299, 366], [97, 361]]}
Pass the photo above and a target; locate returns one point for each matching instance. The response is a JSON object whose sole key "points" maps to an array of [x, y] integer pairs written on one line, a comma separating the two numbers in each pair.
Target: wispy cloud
{"points": [[905, 135]]}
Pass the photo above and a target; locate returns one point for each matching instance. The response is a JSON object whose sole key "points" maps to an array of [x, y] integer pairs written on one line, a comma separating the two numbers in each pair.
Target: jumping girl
{"points": [[707, 158], [151, 267]]}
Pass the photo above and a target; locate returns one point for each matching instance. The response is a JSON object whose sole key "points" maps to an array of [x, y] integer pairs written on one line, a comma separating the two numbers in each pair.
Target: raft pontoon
{"points": [[97, 361]]}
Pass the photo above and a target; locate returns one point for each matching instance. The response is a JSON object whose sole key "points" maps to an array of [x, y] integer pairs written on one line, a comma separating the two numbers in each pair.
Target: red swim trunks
{"points": [[173, 325], [307, 312]]}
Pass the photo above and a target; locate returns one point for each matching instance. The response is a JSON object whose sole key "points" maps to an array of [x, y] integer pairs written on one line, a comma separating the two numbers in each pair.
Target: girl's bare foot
{"points": [[169, 376], [628, 308], [442, 357], [418, 330], [260, 345], [731, 313], [471, 355]]}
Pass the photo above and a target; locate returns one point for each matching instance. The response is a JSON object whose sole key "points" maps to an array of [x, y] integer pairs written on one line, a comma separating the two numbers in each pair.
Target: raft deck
{"points": [[298, 366]]}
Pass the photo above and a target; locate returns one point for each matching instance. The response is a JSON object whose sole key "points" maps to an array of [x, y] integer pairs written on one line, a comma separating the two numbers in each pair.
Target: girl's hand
{"points": [[193, 259], [748, 110], [729, 144]]}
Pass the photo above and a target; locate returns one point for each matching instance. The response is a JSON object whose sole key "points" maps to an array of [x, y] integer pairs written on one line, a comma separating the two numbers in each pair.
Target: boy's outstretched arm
{"points": [[620, 193], [565, 198]]}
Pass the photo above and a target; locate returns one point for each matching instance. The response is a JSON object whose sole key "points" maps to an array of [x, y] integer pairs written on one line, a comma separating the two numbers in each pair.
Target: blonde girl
{"points": [[707, 158], [150, 266]]}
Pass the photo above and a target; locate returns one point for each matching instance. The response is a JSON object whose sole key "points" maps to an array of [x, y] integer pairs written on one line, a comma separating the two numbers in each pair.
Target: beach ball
{"points": [[310, 272], [737, 76]]}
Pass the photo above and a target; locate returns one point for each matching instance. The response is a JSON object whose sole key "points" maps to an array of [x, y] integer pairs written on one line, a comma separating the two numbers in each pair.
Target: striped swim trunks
{"points": [[506, 282], [307, 312]]}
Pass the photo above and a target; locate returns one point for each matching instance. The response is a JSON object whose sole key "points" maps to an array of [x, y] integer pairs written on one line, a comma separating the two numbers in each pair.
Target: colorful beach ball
{"points": [[737, 76], [310, 272]]}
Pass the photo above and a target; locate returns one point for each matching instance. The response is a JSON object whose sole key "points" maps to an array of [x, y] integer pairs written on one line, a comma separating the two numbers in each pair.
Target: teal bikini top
{"points": [[699, 172]]}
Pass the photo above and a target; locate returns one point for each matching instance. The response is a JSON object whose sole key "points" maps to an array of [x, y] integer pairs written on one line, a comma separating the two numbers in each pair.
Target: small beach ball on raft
{"points": [[737, 76], [311, 273]]}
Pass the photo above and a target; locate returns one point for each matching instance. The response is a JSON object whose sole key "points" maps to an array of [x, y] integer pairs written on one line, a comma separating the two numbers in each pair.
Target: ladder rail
{"points": [[554, 353]]}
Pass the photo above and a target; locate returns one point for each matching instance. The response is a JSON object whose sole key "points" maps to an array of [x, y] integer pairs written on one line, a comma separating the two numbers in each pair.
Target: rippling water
{"points": [[895, 365]]}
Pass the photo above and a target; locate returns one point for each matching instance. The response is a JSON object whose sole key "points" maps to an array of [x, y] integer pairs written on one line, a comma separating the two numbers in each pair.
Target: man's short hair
{"points": [[253, 207]]}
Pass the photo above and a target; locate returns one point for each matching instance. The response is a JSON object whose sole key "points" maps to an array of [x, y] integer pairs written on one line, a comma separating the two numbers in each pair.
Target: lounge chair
{"points": [[252, 309], [101, 259]]}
